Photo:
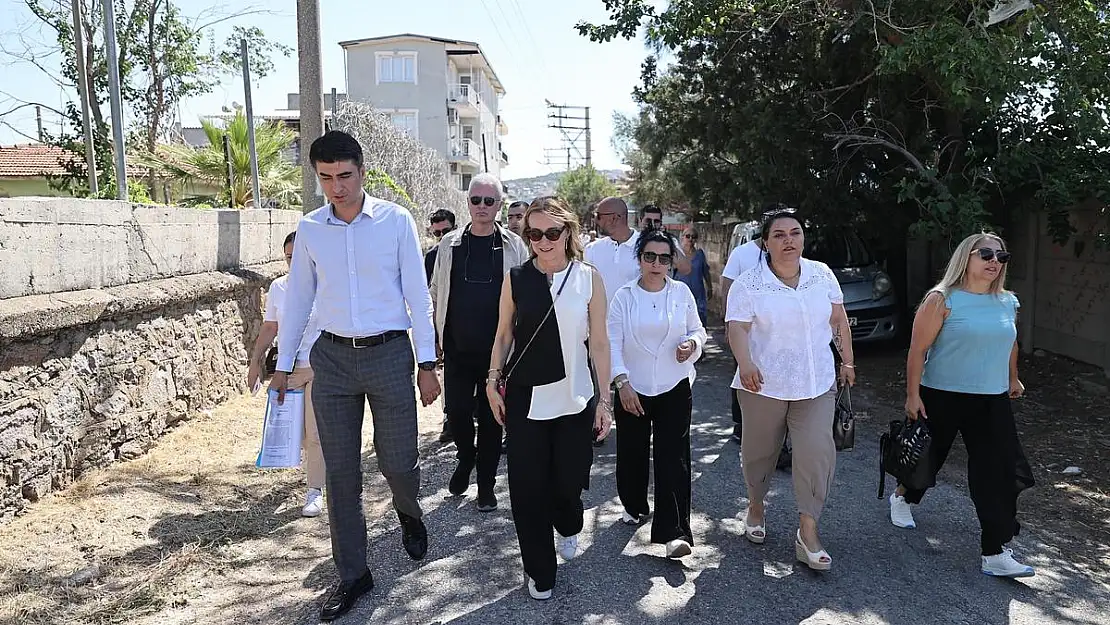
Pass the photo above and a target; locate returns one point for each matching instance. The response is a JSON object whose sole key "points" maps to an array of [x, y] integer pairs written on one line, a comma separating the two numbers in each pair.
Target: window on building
{"points": [[466, 181], [397, 67], [405, 121]]}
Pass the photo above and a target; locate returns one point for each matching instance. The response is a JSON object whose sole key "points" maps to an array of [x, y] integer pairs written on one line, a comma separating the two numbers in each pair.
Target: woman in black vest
{"points": [[553, 315]]}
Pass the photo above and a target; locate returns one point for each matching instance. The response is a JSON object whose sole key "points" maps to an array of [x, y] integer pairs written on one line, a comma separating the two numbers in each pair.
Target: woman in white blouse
{"points": [[655, 336], [782, 314]]}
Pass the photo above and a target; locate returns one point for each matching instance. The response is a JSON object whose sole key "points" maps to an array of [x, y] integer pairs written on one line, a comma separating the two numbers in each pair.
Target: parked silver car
{"points": [[869, 296]]}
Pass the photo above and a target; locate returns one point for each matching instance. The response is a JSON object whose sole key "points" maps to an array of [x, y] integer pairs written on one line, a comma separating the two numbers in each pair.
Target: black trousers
{"points": [[549, 466], [737, 413], [668, 417], [464, 382], [997, 470]]}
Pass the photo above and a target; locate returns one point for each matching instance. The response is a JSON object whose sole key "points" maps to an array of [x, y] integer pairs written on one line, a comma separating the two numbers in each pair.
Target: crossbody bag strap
{"points": [[541, 324]]}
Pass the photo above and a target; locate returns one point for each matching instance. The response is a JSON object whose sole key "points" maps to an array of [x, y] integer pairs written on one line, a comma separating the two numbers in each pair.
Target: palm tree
{"points": [[206, 168]]}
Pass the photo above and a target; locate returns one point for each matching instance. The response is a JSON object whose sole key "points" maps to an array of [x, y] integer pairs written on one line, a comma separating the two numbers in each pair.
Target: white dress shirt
{"points": [[365, 277], [275, 307], [742, 258], [791, 329], [616, 262], [644, 340]]}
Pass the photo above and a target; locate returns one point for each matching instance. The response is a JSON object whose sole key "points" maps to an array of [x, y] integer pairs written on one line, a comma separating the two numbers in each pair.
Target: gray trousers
{"points": [[345, 378]]}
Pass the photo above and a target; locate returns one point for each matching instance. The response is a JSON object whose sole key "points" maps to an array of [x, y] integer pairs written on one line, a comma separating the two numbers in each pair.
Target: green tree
{"points": [[926, 117], [649, 182], [205, 167], [164, 59], [584, 186]]}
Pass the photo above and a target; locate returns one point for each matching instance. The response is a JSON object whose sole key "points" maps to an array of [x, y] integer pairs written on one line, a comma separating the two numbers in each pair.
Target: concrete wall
{"points": [[49, 245], [132, 319]]}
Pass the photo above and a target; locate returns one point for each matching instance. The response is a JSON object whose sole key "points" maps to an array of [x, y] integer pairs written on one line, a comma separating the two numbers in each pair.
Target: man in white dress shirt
{"points": [[358, 258]]}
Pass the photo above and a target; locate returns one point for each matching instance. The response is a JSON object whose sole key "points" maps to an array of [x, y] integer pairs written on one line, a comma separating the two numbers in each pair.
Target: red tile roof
{"points": [[32, 161]]}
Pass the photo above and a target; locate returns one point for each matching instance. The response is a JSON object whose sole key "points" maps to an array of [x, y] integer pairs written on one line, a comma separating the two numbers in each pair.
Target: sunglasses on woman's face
{"points": [[552, 234], [988, 254], [651, 257], [477, 199]]}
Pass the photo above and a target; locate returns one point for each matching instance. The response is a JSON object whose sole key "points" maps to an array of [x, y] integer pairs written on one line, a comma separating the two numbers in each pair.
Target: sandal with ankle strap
{"points": [[756, 534], [818, 561]]}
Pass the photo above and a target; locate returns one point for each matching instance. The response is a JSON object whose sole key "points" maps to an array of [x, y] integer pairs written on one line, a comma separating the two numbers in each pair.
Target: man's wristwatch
{"points": [[620, 382], [429, 365]]}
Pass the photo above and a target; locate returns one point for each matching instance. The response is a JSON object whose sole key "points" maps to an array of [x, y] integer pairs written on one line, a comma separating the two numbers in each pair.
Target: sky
{"points": [[531, 44]]}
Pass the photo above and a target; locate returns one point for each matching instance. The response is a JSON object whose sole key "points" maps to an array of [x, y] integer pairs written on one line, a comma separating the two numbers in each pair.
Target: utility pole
{"points": [[38, 120], [312, 97], [256, 195], [83, 93], [111, 50], [230, 174], [574, 133]]}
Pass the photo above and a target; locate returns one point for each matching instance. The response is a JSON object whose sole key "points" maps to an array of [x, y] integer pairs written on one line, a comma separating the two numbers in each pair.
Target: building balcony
{"points": [[465, 152], [464, 99], [502, 127]]}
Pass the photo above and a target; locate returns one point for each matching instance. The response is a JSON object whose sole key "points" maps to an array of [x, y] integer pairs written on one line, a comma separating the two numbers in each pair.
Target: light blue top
{"points": [[971, 354]]}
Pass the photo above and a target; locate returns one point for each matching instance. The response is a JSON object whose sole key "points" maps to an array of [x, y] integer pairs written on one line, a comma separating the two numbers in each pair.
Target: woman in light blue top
{"points": [[961, 374]]}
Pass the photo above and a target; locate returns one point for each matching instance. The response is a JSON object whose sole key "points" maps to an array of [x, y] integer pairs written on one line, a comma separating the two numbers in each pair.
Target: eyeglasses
{"points": [[442, 231], [600, 215], [988, 254], [487, 279], [477, 199], [535, 234], [690, 236], [655, 223], [651, 257]]}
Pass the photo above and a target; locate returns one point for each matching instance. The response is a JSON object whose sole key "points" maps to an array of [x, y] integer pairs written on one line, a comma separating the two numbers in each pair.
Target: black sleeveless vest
{"points": [[542, 362]]}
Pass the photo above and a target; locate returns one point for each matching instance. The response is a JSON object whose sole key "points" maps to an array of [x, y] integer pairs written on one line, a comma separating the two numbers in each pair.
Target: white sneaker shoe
{"points": [[538, 595], [567, 546], [901, 514], [1004, 565], [678, 548], [628, 519], [313, 503]]}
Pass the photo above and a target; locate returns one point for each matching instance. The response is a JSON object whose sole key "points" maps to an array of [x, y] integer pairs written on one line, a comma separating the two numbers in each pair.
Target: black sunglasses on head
{"points": [[552, 234], [477, 199], [651, 257], [988, 254]]}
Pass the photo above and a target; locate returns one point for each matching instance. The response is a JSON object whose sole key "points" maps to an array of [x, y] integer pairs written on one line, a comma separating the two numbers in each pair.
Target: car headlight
{"points": [[881, 286]]}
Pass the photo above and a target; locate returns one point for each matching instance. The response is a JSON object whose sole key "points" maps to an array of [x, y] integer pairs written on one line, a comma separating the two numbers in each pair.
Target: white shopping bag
{"points": [[282, 430]]}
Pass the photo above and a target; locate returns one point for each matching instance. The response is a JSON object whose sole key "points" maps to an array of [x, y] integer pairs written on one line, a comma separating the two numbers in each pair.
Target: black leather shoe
{"points": [[460, 479], [414, 536], [737, 433], [487, 501], [344, 597], [445, 436]]}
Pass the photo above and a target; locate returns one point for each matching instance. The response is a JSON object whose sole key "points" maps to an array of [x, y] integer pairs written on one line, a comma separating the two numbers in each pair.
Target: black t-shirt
{"points": [[430, 262], [472, 306]]}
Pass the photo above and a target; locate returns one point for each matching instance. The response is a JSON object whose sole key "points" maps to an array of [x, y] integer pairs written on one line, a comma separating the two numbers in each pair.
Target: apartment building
{"points": [[443, 92]]}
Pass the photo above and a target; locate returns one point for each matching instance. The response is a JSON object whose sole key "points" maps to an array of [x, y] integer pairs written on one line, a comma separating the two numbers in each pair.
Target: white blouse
{"points": [[570, 395], [791, 329], [643, 338]]}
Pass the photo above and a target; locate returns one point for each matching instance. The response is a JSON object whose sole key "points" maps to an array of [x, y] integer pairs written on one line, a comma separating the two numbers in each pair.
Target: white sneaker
{"points": [[313, 503], [567, 546], [1004, 565], [628, 519], [538, 595], [901, 514], [678, 548]]}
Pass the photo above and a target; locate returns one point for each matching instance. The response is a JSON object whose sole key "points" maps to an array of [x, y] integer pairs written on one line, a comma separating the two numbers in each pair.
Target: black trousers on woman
{"points": [[997, 470], [667, 416], [549, 466]]}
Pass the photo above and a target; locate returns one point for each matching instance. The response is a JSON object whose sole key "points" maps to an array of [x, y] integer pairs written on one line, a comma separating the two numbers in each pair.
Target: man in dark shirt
{"points": [[466, 291], [441, 222]]}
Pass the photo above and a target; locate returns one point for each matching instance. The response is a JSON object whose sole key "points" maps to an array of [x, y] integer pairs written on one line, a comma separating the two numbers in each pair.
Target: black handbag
{"points": [[904, 454], [844, 420]]}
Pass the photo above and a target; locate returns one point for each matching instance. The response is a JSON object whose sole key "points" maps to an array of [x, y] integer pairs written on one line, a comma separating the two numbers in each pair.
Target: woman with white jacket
{"points": [[655, 337]]}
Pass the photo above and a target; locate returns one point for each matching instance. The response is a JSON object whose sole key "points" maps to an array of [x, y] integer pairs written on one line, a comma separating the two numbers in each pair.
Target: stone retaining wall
{"points": [[93, 376]]}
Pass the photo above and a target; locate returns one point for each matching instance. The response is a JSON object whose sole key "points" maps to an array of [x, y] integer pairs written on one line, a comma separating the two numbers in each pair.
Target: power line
{"points": [[531, 37], [576, 145], [496, 29]]}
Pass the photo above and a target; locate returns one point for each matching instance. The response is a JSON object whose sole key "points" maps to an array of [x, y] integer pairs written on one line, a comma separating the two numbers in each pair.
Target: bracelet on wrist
{"points": [[847, 365]]}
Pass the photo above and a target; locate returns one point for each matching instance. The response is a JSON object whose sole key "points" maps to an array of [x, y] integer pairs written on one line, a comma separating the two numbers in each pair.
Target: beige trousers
{"points": [[313, 455], [766, 421]]}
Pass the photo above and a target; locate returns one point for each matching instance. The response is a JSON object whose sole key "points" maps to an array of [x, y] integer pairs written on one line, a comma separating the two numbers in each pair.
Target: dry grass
{"points": [[191, 532]]}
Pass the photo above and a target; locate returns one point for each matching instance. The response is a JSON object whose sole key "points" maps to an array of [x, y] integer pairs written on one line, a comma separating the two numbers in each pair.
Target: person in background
{"points": [[358, 260], [655, 335], [301, 378], [466, 290], [781, 316], [441, 222], [515, 216], [699, 279], [961, 376], [553, 316]]}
